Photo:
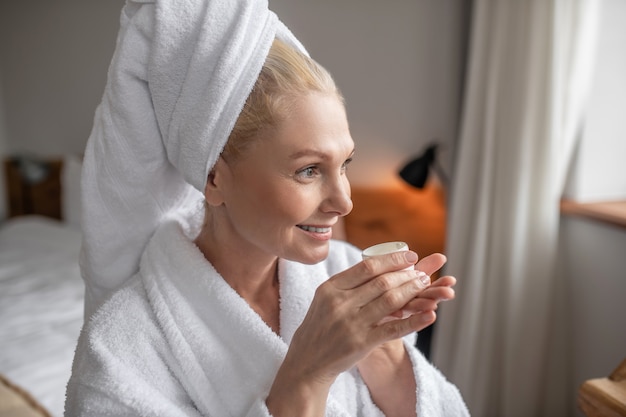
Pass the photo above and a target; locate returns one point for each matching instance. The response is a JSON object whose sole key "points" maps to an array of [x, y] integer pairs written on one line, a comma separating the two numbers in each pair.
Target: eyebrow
{"points": [[312, 152]]}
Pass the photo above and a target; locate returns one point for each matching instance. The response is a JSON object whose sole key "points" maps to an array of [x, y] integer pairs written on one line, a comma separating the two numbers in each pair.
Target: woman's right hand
{"points": [[346, 320]]}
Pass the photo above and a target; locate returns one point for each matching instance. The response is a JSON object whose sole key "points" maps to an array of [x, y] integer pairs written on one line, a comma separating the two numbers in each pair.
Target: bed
{"points": [[41, 292]]}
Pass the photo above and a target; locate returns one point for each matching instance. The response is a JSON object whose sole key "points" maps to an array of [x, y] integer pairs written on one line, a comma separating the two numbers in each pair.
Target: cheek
{"points": [[276, 203], [287, 205]]}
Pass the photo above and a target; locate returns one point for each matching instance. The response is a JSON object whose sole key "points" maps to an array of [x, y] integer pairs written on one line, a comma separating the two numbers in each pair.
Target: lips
{"points": [[314, 229]]}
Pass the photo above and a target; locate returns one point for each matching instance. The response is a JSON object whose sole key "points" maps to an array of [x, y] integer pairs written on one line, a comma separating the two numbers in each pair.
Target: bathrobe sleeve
{"points": [[436, 396]]}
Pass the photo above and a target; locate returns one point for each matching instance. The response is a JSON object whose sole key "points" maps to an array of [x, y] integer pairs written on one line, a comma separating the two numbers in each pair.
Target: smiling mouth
{"points": [[314, 229]]}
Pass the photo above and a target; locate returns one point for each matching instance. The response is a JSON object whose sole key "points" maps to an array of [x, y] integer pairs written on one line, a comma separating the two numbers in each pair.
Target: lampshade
{"points": [[416, 171]]}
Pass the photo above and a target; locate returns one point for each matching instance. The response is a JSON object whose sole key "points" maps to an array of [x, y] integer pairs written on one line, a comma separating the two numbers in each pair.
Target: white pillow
{"points": [[70, 190]]}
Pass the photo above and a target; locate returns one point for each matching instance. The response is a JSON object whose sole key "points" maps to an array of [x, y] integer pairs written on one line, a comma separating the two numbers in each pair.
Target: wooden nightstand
{"points": [[605, 397], [38, 197]]}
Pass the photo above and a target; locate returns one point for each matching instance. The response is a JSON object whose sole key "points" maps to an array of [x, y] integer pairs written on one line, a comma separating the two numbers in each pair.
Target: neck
{"points": [[243, 271], [254, 276]]}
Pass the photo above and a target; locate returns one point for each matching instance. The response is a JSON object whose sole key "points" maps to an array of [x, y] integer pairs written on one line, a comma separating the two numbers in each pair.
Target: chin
{"points": [[312, 256]]}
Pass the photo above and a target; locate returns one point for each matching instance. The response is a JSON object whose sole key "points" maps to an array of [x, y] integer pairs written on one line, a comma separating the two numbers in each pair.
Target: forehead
{"points": [[316, 123]]}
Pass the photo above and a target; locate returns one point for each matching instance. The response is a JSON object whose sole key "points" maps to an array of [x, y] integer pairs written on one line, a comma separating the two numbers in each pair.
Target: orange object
{"points": [[398, 212]]}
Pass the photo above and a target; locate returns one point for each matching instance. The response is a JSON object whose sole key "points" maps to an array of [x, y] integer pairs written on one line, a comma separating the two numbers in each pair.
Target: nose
{"points": [[338, 199]]}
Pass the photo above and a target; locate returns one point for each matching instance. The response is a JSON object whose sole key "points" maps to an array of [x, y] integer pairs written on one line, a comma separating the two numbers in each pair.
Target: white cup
{"points": [[391, 247], [384, 248]]}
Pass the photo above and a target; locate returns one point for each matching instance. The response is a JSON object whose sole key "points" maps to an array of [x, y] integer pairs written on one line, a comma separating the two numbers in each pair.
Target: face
{"points": [[282, 196]]}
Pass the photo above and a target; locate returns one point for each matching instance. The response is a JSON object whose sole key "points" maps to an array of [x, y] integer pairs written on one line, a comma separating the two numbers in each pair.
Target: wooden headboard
{"points": [[40, 194]]}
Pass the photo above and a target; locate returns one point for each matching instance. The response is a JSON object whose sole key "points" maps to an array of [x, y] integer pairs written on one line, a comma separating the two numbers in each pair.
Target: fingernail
{"points": [[423, 278], [410, 256], [426, 318]]}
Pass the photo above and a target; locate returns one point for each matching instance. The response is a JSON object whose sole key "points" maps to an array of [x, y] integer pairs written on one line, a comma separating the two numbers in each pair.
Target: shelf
{"points": [[611, 212]]}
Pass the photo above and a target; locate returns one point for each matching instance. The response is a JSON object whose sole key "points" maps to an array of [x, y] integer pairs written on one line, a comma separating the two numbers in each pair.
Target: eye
{"points": [[344, 167], [307, 172]]}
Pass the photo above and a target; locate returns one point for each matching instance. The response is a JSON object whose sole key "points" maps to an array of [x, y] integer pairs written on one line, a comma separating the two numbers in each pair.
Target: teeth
{"points": [[315, 229]]}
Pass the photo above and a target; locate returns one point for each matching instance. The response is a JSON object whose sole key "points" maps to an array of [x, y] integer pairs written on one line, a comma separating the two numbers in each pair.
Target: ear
{"points": [[213, 190]]}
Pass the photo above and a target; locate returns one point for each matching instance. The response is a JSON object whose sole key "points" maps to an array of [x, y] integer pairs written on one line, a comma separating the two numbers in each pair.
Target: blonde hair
{"points": [[286, 75]]}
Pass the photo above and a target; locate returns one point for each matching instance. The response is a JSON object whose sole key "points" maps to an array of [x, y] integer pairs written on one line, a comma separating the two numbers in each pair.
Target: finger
{"points": [[419, 304], [431, 263], [396, 329], [390, 300], [369, 268], [423, 320], [445, 281], [390, 281], [435, 293]]}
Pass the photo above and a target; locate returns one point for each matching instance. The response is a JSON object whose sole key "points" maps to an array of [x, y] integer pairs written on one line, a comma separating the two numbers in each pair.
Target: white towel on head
{"points": [[179, 77]]}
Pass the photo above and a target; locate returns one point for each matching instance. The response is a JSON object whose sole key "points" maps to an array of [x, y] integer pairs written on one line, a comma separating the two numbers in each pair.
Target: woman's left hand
{"points": [[426, 302], [387, 370]]}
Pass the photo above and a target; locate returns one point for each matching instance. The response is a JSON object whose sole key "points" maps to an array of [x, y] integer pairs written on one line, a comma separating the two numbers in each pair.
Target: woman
{"points": [[244, 306]]}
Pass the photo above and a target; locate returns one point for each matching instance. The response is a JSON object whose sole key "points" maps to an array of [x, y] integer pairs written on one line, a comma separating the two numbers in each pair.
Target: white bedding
{"points": [[41, 306]]}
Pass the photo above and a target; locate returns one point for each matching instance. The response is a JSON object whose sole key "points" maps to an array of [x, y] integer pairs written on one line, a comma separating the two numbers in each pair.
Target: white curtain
{"points": [[502, 340]]}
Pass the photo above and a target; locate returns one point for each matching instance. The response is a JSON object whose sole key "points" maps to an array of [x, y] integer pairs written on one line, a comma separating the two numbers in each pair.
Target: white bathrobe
{"points": [[177, 340]]}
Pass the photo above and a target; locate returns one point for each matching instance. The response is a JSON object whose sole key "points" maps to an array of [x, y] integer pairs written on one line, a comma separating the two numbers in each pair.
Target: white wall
{"points": [[53, 61], [599, 171], [398, 63]]}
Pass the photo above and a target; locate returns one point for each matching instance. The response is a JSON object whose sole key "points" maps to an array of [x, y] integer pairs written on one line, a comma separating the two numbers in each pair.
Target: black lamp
{"points": [[416, 171]]}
